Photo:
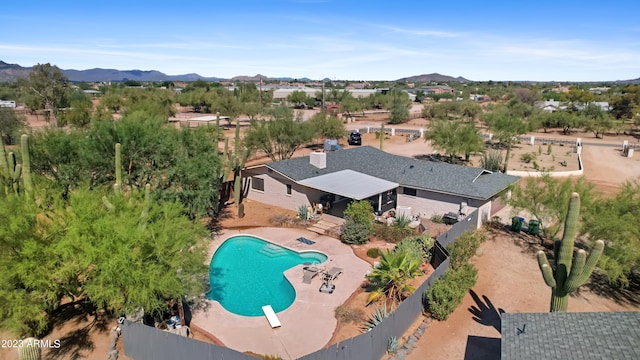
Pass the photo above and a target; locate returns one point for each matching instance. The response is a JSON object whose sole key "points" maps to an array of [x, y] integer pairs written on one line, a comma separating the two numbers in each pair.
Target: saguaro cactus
{"points": [[5, 173], [118, 185], [238, 160], [26, 166], [29, 350], [568, 275], [382, 136]]}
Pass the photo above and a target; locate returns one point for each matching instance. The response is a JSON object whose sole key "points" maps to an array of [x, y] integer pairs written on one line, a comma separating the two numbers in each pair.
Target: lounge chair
{"points": [[309, 273], [333, 273]]}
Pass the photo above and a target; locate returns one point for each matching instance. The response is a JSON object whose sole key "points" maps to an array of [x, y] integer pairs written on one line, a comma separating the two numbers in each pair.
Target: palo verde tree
{"points": [[117, 252], [568, 274], [507, 127], [547, 198], [328, 126], [279, 137], [11, 124], [455, 137], [615, 220], [46, 85]]}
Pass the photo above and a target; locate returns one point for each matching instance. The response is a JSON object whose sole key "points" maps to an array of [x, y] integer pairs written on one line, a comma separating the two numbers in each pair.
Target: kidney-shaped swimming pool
{"points": [[247, 273]]}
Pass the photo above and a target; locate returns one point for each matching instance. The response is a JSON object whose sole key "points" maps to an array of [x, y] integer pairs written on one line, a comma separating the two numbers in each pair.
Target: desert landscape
{"points": [[506, 262]]}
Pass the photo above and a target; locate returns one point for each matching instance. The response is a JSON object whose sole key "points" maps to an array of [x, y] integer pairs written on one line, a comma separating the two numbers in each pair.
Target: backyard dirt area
{"points": [[509, 280]]}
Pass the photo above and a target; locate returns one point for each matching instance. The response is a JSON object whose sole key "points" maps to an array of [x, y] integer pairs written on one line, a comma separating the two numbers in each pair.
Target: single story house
{"points": [[563, 335], [388, 181]]}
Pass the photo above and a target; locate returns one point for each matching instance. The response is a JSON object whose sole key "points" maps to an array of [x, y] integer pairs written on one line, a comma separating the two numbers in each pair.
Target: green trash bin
{"points": [[516, 223], [534, 227]]}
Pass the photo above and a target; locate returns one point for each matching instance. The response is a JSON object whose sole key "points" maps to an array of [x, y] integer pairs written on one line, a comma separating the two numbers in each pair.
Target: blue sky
{"points": [[337, 39]]}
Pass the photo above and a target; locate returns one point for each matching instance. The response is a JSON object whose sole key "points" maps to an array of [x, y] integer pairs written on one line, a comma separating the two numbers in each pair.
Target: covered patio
{"points": [[343, 186]]}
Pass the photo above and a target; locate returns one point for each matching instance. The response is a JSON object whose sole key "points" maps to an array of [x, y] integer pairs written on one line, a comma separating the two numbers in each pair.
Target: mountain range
{"points": [[11, 72]]}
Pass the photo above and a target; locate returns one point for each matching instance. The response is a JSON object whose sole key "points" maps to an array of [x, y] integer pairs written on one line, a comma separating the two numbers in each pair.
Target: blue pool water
{"points": [[247, 273]]}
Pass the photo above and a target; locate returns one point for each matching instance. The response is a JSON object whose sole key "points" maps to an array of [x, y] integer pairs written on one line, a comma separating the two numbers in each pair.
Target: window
{"points": [[288, 189], [257, 183], [409, 191]]}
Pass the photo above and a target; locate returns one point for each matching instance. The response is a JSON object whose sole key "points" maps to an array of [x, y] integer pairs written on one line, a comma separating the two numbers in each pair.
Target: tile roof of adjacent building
{"points": [[440, 177], [597, 335]]}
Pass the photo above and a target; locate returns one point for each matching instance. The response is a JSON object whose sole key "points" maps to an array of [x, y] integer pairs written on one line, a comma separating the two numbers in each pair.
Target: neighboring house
{"points": [[388, 181], [552, 105], [562, 335]]}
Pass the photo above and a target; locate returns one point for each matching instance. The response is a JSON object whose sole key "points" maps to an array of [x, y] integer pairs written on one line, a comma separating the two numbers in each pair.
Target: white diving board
{"points": [[271, 316]]}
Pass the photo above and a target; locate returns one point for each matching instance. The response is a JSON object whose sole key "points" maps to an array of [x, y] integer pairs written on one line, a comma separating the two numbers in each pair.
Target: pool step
{"points": [[272, 250]]}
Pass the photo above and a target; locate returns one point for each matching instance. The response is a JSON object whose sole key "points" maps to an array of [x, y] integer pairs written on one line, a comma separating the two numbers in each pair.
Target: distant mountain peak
{"points": [[433, 77]]}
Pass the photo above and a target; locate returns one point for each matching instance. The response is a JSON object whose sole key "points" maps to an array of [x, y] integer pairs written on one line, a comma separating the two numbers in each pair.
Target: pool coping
{"points": [[309, 323]]}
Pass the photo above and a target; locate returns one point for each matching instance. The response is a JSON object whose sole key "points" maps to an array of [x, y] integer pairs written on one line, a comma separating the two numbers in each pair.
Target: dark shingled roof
{"points": [[440, 177], [600, 335]]}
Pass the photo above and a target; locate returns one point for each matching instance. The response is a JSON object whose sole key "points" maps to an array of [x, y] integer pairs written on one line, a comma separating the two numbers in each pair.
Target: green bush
{"points": [[391, 233], [464, 248], [361, 212], [355, 233], [373, 253], [447, 293], [527, 158], [418, 247]]}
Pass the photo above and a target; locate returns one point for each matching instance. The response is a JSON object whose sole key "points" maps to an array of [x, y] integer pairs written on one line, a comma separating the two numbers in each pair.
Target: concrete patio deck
{"points": [[308, 324]]}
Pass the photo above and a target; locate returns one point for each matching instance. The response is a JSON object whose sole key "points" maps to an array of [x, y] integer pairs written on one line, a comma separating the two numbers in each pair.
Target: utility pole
{"points": [[323, 108]]}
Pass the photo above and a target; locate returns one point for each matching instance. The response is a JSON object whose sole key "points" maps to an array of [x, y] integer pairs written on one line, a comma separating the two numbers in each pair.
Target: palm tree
{"points": [[391, 277]]}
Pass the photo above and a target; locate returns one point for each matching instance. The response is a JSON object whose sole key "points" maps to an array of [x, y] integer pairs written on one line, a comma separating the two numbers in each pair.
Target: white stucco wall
{"points": [[275, 190], [429, 203]]}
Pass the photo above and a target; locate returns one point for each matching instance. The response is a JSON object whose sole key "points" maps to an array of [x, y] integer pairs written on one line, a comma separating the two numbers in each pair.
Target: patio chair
{"points": [[309, 273], [333, 273]]}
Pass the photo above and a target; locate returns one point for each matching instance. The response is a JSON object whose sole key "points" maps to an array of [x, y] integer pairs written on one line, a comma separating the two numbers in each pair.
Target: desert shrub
{"points": [[491, 160], [402, 221], [464, 248], [348, 315], [303, 212], [376, 317], [391, 233], [418, 247], [447, 293], [438, 219], [355, 233], [527, 158], [535, 165], [270, 357], [279, 220], [373, 253]]}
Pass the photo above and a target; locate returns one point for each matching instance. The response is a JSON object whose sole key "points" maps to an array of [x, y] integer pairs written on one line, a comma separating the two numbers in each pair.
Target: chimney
{"points": [[318, 159]]}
